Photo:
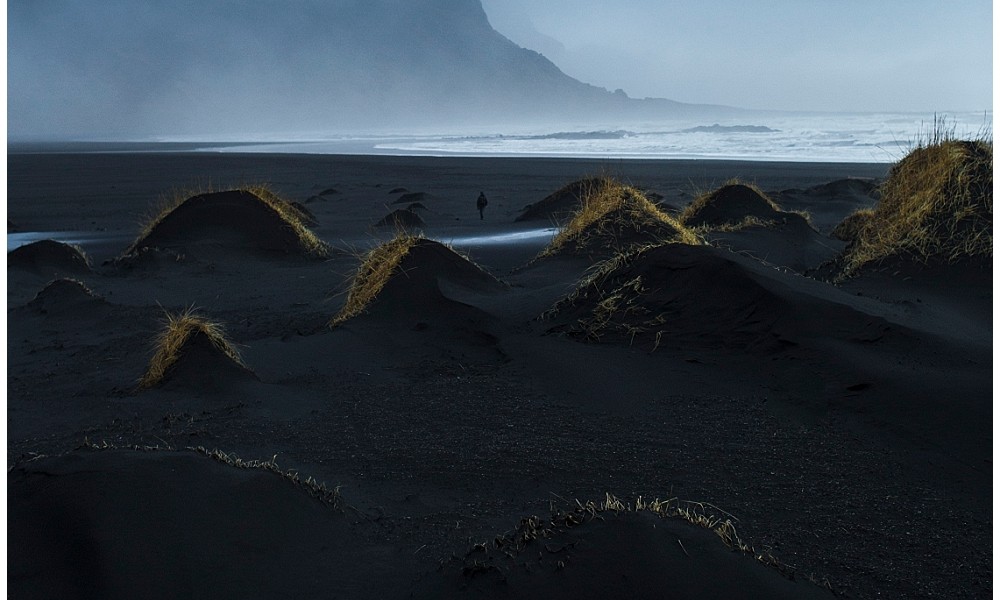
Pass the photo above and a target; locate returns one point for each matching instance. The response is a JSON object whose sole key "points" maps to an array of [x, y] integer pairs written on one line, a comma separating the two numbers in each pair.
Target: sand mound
{"points": [[841, 188], [193, 352], [64, 296], [49, 257], [614, 218], [672, 294], [406, 276], [402, 218], [411, 197], [563, 203], [850, 228], [398, 190], [416, 206], [164, 524], [936, 206], [246, 220], [730, 205], [661, 550]]}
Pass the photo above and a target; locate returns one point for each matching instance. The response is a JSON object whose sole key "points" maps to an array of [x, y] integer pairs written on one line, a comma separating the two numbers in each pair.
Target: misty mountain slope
{"points": [[121, 68]]}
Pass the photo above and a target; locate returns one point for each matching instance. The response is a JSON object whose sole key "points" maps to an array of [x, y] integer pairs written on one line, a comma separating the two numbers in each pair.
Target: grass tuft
{"points": [[169, 344], [611, 210], [935, 205], [373, 273]]}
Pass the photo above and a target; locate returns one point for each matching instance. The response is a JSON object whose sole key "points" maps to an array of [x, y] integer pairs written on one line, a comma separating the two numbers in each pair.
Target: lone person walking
{"points": [[481, 203]]}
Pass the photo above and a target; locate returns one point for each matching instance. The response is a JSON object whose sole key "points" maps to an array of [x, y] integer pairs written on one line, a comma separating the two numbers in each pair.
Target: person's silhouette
{"points": [[481, 203]]}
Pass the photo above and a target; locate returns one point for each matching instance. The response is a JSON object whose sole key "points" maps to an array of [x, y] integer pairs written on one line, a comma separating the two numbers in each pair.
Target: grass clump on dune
{"points": [[616, 216], [535, 530], [374, 272], [935, 205], [735, 206], [282, 212], [848, 229], [180, 328]]}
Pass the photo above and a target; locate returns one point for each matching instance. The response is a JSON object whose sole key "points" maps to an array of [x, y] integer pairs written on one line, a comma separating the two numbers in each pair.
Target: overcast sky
{"points": [[828, 55]]}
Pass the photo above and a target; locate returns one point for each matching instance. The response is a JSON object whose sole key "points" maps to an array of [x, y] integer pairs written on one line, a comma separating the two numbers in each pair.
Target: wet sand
{"points": [[853, 448]]}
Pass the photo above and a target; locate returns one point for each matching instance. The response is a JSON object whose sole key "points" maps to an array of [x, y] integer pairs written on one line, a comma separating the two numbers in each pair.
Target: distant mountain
{"points": [[121, 68]]}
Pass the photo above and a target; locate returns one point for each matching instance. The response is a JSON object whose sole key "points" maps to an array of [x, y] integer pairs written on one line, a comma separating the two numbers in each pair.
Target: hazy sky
{"points": [[838, 55]]}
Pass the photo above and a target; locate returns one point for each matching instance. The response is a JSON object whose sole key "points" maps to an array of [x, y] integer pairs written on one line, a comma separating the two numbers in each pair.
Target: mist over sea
{"points": [[880, 138]]}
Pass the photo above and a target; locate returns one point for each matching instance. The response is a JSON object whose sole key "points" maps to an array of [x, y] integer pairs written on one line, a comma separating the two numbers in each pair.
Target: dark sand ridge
{"points": [[47, 258], [402, 218], [437, 440], [193, 352], [742, 218], [244, 219]]}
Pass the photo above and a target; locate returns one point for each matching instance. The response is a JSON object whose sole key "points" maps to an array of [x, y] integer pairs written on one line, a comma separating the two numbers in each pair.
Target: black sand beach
{"points": [[486, 436]]}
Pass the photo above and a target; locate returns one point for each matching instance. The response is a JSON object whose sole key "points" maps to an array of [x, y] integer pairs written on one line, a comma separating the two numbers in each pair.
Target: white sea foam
{"points": [[883, 138]]}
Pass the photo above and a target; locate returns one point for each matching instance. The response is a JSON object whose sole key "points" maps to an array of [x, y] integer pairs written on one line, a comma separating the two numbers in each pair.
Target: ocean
{"points": [[845, 137]]}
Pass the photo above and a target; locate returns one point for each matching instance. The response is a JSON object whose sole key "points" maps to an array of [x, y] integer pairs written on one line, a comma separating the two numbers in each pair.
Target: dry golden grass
{"points": [[848, 229], [179, 328], [374, 272], [311, 485], [610, 209], [748, 222], [936, 204], [615, 310], [289, 214], [701, 514], [315, 489]]}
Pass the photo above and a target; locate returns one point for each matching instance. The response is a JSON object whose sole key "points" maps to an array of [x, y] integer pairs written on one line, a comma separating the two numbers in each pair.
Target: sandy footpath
{"points": [[478, 430]]}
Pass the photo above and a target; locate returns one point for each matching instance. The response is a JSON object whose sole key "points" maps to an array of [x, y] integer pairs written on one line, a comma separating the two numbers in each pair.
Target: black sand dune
{"points": [[674, 294], [410, 197], [402, 218], [561, 204], [680, 295], [787, 242], [616, 555], [837, 191], [68, 297], [615, 218], [202, 366], [193, 353], [421, 281], [234, 220], [729, 205], [48, 257], [160, 524]]}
